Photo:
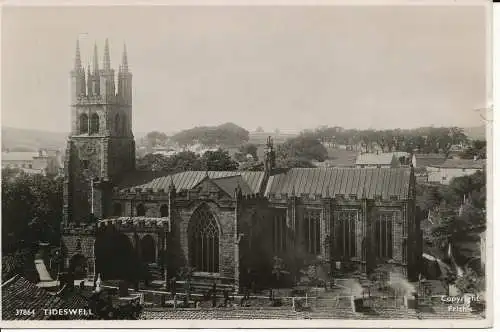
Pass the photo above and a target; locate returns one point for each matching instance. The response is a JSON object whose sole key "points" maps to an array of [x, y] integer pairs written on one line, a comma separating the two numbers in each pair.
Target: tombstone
{"points": [[356, 304], [97, 283], [123, 288], [226, 297]]}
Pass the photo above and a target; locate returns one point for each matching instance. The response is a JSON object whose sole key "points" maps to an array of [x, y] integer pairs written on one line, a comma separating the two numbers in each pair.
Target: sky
{"points": [[282, 67]]}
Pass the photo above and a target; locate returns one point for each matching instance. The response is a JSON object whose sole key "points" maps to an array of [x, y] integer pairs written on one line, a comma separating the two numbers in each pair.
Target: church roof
{"points": [[250, 180], [328, 182], [229, 185]]}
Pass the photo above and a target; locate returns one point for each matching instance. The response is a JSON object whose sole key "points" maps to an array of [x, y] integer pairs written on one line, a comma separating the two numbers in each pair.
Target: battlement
{"points": [[137, 223], [100, 99]]}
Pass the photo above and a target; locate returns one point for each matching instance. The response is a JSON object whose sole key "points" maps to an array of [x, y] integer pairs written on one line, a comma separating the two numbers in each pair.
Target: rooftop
{"points": [[328, 182], [375, 159], [462, 163], [249, 181]]}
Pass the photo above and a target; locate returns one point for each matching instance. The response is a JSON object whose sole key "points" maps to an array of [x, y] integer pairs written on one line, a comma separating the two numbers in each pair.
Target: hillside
{"points": [[18, 139]]}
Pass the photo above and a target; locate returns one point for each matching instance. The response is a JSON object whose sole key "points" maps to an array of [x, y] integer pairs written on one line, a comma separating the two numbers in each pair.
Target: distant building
{"points": [[41, 162], [423, 160], [452, 168], [377, 160], [423, 164]]}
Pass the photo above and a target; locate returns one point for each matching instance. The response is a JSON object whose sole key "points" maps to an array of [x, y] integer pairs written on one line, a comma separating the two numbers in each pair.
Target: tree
{"points": [[182, 161], [428, 197], [218, 160], [249, 149], [31, 210], [294, 163], [305, 146], [470, 282], [477, 149], [155, 138]]}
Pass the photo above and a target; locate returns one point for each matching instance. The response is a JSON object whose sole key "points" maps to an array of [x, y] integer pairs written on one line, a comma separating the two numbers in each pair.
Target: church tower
{"points": [[101, 147]]}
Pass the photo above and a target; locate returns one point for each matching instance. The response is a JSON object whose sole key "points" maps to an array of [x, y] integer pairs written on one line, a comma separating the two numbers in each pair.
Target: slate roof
{"points": [[19, 293], [328, 182], [463, 163], [375, 159], [229, 185], [189, 179], [428, 159]]}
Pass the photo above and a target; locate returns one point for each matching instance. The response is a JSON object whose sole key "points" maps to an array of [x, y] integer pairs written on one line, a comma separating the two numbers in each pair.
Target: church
{"points": [[227, 227]]}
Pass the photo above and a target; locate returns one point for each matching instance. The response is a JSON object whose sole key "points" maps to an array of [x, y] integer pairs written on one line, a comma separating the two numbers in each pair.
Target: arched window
{"points": [[383, 233], [117, 209], [148, 249], [204, 241], [84, 123], [347, 232], [164, 210], [140, 210], [94, 123], [117, 123]]}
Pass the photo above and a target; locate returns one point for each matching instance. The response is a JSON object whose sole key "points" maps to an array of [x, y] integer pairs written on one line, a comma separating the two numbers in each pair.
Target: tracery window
{"points": [[383, 233], [164, 210], [346, 220], [312, 222], [140, 210], [117, 209], [204, 241], [279, 230]]}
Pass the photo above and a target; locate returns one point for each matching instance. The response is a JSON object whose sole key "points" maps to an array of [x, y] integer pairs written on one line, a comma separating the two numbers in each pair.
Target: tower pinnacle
{"points": [[78, 61], [107, 61], [95, 60], [124, 66]]}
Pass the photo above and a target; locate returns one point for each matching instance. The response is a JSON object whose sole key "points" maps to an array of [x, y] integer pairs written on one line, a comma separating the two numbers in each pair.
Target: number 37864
{"points": [[25, 312]]}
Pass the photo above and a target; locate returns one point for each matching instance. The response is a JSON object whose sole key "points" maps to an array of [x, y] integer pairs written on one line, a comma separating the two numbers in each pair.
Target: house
{"points": [[377, 160], [423, 164], [452, 168], [42, 162], [424, 160]]}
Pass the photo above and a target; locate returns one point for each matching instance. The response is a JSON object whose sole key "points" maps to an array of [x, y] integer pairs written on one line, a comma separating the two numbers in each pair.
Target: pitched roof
{"points": [[375, 159], [328, 182], [463, 163], [20, 293], [428, 159], [229, 185], [189, 179]]}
